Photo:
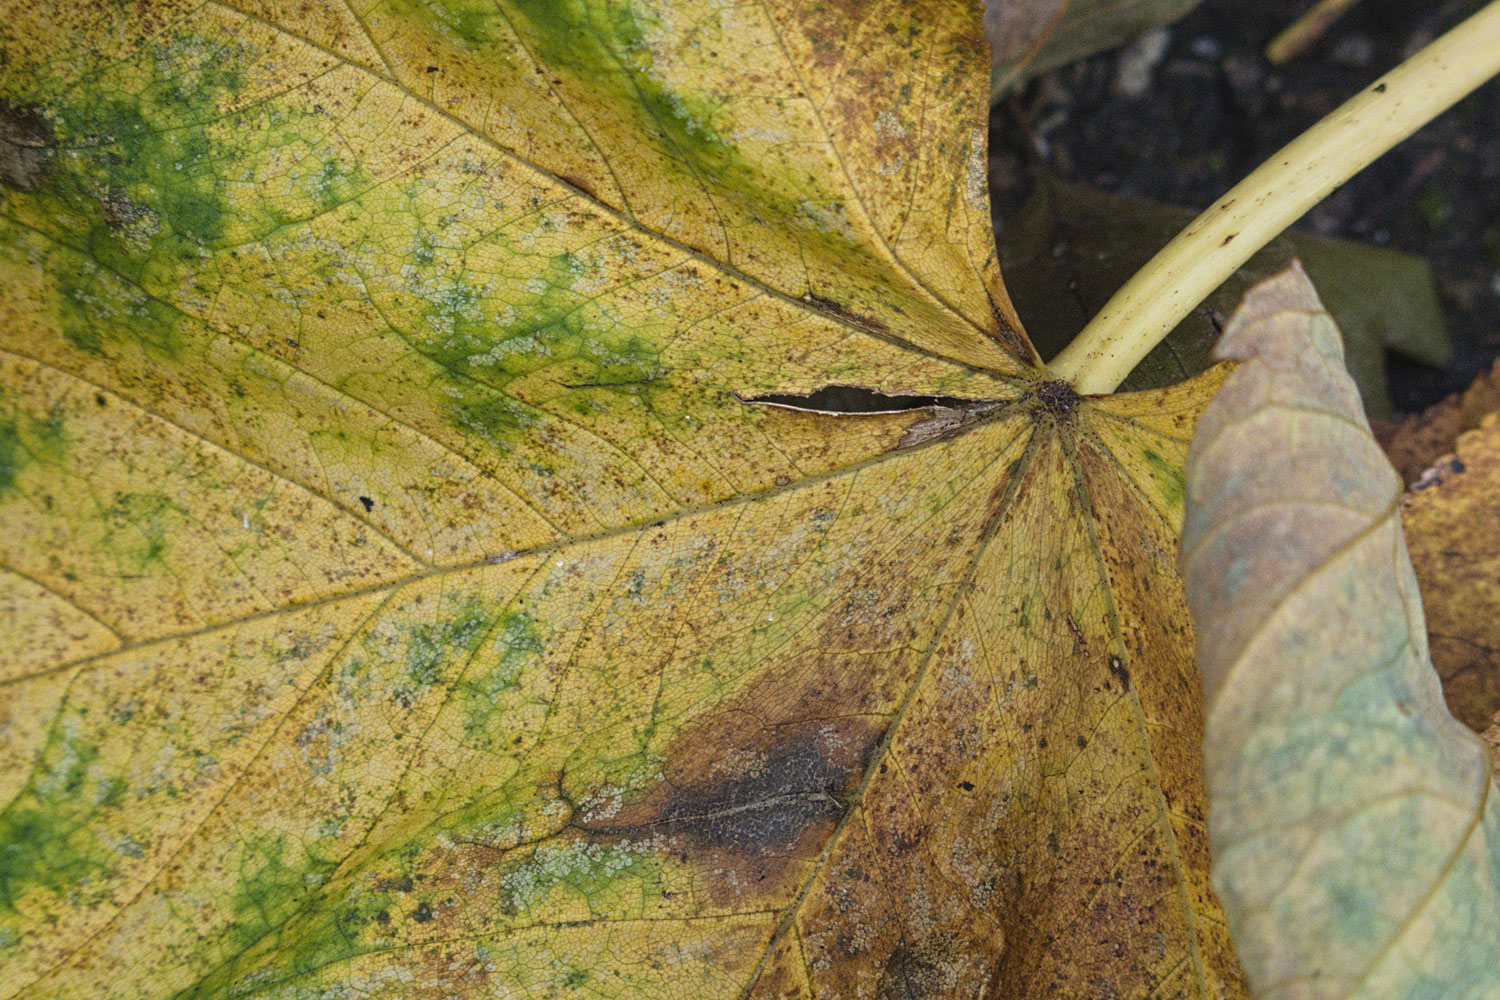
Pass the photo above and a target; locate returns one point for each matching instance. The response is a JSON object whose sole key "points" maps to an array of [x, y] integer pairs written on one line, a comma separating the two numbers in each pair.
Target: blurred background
{"points": [[1178, 102]]}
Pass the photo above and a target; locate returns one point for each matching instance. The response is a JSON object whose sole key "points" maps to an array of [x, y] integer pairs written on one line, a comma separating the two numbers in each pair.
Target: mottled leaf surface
{"points": [[402, 598], [1355, 824]]}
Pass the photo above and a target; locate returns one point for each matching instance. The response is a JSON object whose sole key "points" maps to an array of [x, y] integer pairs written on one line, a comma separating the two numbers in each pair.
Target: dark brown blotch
{"points": [[1057, 399], [26, 145], [766, 797], [913, 974]]}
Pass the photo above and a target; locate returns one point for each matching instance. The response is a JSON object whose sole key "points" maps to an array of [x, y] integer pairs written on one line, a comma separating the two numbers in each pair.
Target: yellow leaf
{"points": [[1355, 825], [406, 595]]}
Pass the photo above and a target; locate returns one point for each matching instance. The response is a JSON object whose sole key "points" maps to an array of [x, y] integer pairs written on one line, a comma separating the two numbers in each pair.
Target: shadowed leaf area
{"points": [[402, 593]]}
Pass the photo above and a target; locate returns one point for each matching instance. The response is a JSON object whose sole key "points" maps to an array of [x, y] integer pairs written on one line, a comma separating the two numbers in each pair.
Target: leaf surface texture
{"points": [[408, 603]]}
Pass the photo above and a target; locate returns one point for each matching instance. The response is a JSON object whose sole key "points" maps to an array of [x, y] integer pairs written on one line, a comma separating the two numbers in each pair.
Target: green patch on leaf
{"points": [[26, 438], [137, 529], [454, 635], [1168, 476], [584, 36], [276, 879], [50, 835], [467, 22], [141, 165], [518, 643], [96, 307], [12, 454], [483, 345]]}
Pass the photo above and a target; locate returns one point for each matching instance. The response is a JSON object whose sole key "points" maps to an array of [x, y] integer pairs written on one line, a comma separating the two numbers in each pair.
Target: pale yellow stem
{"points": [[1261, 206], [1302, 33]]}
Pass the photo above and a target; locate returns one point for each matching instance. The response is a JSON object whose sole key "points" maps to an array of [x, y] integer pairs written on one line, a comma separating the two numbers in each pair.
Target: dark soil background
{"points": [[1215, 109]]}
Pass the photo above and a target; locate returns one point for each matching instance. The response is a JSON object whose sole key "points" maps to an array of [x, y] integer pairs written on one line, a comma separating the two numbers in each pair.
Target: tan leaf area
{"points": [[1354, 821], [403, 593], [1450, 516], [1416, 443]]}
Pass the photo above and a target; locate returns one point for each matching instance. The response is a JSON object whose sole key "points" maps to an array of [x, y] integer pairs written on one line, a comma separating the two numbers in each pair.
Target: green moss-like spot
{"points": [[24, 439], [138, 528], [606, 44], [468, 22], [337, 183], [463, 623], [518, 643], [1168, 476], [555, 327], [49, 835], [141, 165], [275, 880], [12, 454], [483, 345], [96, 308]]}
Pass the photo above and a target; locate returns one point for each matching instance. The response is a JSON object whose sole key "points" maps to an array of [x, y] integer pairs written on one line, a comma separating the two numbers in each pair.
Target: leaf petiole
{"points": [[1274, 196]]}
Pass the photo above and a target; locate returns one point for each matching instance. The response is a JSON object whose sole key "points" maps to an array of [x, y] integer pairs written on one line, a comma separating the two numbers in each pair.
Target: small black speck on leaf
{"points": [[369, 504]]}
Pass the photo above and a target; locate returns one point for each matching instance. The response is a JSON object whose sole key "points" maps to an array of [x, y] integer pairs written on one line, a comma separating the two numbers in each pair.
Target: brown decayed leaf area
{"points": [[1447, 457], [1032, 36]]}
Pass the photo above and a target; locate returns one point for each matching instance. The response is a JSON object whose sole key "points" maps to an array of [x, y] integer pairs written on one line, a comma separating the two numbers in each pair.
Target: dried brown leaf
{"points": [[1416, 443], [1450, 517]]}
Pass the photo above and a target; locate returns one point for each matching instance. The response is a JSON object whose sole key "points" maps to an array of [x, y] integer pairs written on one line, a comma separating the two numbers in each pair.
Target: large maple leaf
{"points": [[427, 571]]}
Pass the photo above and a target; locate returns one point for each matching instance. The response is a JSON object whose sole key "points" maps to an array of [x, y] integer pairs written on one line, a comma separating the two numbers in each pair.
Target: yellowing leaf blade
{"points": [[484, 636]]}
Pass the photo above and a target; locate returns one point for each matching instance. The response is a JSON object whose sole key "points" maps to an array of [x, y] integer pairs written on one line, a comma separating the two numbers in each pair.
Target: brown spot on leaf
{"points": [[25, 146], [844, 313], [914, 974], [581, 185], [746, 800]]}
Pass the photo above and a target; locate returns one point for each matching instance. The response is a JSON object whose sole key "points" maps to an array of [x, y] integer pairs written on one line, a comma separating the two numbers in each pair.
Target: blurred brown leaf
{"points": [[1032, 36]]}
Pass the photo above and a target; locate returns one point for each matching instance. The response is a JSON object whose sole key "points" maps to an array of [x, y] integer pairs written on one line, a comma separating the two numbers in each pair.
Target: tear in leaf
{"points": [[847, 399]]}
